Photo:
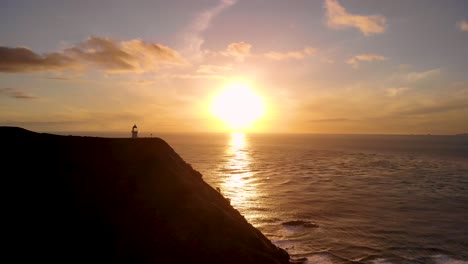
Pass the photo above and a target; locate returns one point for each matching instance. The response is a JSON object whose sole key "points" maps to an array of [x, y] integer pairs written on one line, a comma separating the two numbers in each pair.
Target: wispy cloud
{"points": [[463, 25], [417, 76], [191, 76], [395, 91], [298, 55], [242, 50], [125, 56], [238, 50], [213, 69], [58, 78], [339, 18], [104, 53], [408, 77], [194, 34], [75, 120], [15, 93], [436, 107], [331, 120], [355, 61]]}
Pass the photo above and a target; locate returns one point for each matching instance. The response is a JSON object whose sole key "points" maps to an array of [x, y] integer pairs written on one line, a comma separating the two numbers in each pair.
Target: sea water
{"points": [[343, 198]]}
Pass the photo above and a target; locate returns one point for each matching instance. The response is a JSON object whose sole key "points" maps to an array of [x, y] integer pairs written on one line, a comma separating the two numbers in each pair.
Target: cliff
{"points": [[71, 199]]}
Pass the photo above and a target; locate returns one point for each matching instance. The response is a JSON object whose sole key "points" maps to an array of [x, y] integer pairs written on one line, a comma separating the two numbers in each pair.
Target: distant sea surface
{"points": [[343, 198]]}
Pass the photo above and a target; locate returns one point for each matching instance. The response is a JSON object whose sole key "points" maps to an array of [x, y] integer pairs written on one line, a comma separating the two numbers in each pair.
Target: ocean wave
{"points": [[375, 202], [300, 223], [438, 259], [443, 259]]}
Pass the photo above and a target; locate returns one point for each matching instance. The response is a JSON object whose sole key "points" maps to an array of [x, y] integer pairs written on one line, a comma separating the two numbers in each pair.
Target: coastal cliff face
{"points": [[82, 199]]}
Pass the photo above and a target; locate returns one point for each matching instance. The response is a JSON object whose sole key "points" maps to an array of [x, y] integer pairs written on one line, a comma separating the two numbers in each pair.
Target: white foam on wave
{"points": [[381, 261], [442, 259]]}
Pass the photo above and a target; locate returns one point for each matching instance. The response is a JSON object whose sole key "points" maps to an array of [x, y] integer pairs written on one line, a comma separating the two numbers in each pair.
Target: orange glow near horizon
{"points": [[238, 106]]}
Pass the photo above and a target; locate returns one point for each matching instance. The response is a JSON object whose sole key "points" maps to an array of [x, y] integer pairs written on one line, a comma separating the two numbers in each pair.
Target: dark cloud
{"points": [[13, 60], [108, 54], [14, 93]]}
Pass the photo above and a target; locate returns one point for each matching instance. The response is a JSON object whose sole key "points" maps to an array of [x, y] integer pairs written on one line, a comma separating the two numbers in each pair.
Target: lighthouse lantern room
{"points": [[134, 131]]}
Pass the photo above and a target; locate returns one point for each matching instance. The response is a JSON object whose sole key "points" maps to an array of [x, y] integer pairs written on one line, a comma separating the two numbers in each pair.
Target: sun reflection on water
{"points": [[238, 177]]}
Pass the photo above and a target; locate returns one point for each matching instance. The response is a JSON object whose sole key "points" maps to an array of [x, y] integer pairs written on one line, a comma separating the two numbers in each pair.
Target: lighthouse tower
{"points": [[134, 131]]}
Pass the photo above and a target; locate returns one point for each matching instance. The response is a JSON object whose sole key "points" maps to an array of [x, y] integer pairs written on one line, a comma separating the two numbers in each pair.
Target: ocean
{"points": [[343, 198]]}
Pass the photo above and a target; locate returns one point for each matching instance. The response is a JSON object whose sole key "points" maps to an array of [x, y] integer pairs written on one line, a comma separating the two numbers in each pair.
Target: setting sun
{"points": [[238, 106]]}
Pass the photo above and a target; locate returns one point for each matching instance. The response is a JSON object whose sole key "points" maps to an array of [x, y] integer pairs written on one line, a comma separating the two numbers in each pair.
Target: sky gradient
{"points": [[321, 66]]}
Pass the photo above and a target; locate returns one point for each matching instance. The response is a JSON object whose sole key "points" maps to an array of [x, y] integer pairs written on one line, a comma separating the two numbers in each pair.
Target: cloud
{"points": [[242, 50], [297, 55], [36, 123], [14, 93], [238, 50], [20, 59], [76, 120], [213, 69], [395, 91], [354, 61], [192, 76], [107, 54], [406, 78], [331, 120], [125, 56], [435, 108], [58, 78], [327, 60], [339, 18], [417, 76], [193, 35], [463, 25], [444, 101]]}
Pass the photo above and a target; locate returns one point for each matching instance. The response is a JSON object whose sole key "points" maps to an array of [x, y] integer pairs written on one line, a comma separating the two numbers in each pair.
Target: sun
{"points": [[238, 106]]}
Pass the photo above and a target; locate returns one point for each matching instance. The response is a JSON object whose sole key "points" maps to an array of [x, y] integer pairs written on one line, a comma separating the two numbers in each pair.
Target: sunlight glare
{"points": [[238, 178], [238, 106], [237, 140]]}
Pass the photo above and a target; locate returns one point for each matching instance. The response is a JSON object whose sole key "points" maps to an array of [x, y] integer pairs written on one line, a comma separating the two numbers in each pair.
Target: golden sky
{"points": [[331, 66]]}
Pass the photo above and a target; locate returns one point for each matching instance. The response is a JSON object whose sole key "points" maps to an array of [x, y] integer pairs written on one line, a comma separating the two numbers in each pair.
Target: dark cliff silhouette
{"points": [[75, 199]]}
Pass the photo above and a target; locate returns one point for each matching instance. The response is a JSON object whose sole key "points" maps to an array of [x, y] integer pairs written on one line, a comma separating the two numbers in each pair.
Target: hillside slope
{"points": [[74, 199]]}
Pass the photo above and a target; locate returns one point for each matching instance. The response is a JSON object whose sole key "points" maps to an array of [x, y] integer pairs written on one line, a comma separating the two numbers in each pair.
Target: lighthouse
{"points": [[134, 131]]}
